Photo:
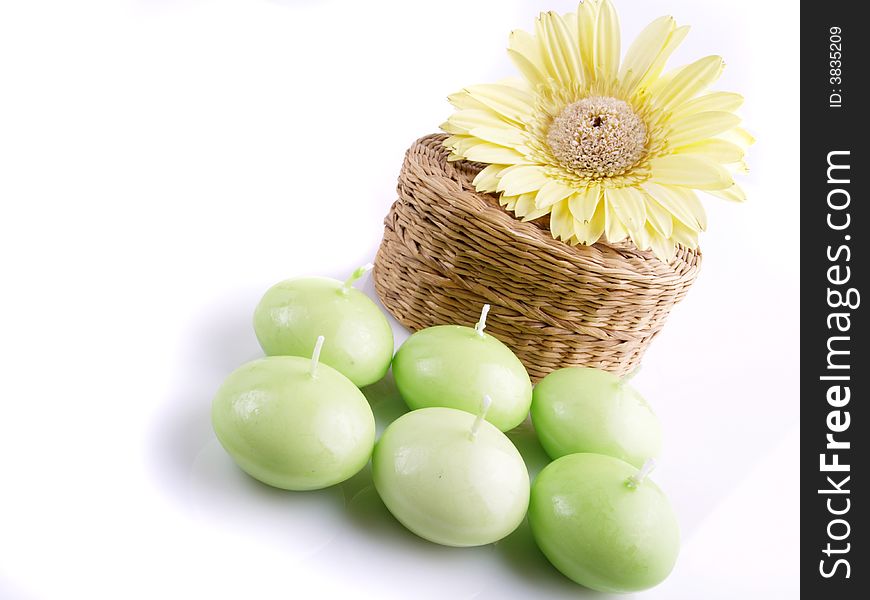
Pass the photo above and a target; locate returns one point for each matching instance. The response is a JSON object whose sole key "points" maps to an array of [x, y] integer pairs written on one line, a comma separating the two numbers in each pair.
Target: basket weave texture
{"points": [[448, 249]]}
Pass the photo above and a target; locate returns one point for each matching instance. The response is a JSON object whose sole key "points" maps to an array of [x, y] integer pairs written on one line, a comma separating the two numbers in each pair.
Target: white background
{"points": [[163, 162]]}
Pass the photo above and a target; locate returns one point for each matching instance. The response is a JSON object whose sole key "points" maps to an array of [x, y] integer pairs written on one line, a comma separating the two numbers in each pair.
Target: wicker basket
{"points": [[447, 250]]}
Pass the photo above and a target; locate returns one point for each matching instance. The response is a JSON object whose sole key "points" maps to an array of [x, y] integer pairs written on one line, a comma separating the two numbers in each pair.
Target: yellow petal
{"points": [[503, 136], [469, 118], [658, 217], [463, 100], [739, 167], [685, 236], [698, 126], [509, 202], [629, 204], [447, 127], [561, 221], [487, 180], [715, 149], [640, 237], [587, 23], [583, 203], [733, 194], [506, 100], [521, 179], [523, 43], [491, 153], [551, 68], [687, 82], [643, 52], [527, 68], [517, 83], [689, 200], [559, 50], [590, 231], [536, 214], [738, 136], [722, 101], [613, 227], [551, 193], [607, 43], [674, 39], [570, 20], [680, 202], [525, 204], [460, 143], [661, 246], [690, 170]]}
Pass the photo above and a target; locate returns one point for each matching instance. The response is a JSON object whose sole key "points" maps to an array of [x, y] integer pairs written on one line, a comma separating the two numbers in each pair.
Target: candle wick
{"points": [[481, 324], [635, 480], [315, 356], [348, 283], [475, 427], [629, 376]]}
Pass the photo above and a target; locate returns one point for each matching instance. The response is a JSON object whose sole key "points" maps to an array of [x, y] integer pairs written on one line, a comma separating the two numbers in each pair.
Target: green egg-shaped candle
{"points": [[454, 367], [580, 409], [603, 523], [293, 423], [451, 477], [293, 313]]}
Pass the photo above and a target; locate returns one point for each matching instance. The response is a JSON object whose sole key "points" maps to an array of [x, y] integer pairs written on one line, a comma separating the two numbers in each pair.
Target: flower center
{"points": [[597, 137]]}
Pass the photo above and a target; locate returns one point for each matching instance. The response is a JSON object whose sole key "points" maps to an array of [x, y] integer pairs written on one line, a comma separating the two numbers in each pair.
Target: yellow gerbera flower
{"points": [[606, 149]]}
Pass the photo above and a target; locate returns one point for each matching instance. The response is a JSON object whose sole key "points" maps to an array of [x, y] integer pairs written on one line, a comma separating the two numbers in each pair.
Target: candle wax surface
{"points": [[291, 430], [580, 409], [293, 313], [455, 366], [445, 486], [600, 532]]}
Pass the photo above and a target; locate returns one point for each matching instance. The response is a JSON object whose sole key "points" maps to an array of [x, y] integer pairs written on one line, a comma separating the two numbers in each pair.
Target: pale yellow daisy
{"points": [[609, 150]]}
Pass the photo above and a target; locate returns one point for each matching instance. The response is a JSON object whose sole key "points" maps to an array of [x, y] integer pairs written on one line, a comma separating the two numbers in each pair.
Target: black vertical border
{"points": [[828, 256]]}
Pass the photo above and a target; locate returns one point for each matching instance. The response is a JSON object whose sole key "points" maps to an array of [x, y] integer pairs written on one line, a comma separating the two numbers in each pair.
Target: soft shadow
{"points": [[525, 560], [189, 465], [526, 441], [387, 405], [477, 571], [368, 514], [400, 557], [221, 340], [519, 550], [183, 433], [300, 523]]}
